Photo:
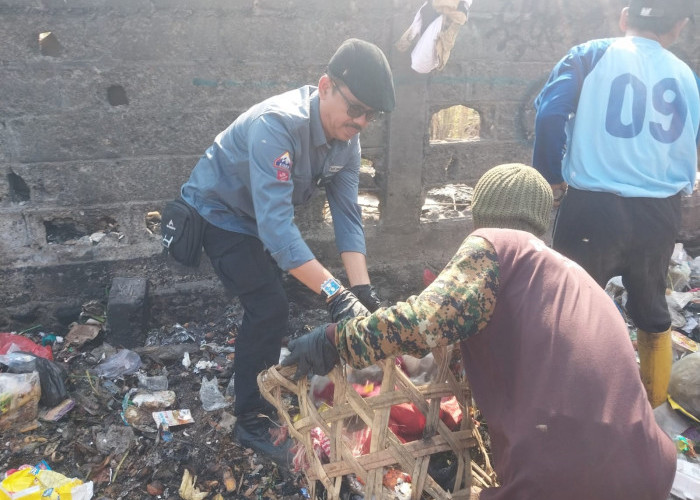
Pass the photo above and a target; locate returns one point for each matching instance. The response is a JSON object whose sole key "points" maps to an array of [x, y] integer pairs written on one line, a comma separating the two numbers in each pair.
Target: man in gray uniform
{"points": [[271, 158]]}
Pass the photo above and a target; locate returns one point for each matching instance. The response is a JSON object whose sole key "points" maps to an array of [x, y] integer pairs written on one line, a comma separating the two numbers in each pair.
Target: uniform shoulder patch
{"points": [[283, 165], [283, 161]]}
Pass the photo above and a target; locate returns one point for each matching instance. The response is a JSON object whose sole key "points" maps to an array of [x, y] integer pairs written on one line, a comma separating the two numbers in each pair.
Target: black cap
{"points": [[363, 67], [673, 9]]}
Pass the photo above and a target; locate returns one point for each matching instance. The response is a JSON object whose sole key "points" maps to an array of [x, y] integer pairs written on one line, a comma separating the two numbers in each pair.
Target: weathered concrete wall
{"points": [[104, 125]]}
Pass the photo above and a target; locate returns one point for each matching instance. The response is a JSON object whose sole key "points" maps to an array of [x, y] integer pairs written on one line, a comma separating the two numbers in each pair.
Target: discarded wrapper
{"points": [[683, 343], [57, 412], [157, 400], [172, 418], [37, 483]]}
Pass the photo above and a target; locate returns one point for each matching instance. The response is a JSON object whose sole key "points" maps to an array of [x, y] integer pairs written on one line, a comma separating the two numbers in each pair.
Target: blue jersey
{"points": [[270, 159], [619, 115]]}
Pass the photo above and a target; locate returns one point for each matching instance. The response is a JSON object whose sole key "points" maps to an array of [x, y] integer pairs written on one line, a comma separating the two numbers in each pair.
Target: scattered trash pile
{"points": [[682, 296], [680, 418], [680, 415], [82, 419], [149, 422]]}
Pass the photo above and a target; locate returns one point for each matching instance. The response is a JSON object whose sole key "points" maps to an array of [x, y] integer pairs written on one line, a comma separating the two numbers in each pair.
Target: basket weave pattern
{"points": [[386, 449]]}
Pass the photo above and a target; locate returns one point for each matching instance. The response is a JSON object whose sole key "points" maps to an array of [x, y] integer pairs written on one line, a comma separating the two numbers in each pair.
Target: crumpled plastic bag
{"points": [[10, 342], [19, 404], [211, 397], [125, 362]]}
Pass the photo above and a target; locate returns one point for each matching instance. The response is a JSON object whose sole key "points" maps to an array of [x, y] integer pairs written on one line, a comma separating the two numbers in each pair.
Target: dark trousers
{"points": [[609, 235], [250, 273]]}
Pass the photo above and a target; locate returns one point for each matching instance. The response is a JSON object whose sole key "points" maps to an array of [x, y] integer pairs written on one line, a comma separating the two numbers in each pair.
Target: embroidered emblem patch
{"points": [[283, 164], [284, 161]]}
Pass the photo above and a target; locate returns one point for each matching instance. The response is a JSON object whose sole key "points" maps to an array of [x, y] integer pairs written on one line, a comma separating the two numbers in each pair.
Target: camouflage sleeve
{"points": [[458, 304]]}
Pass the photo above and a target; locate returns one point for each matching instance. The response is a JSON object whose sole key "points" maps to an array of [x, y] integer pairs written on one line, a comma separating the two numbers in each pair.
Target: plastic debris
{"points": [[39, 483], [125, 362], [685, 446], [686, 483], [58, 412], [211, 397], [154, 400], [19, 401], [51, 375], [139, 419], [187, 489], [205, 365], [10, 342], [172, 418], [155, 383]]}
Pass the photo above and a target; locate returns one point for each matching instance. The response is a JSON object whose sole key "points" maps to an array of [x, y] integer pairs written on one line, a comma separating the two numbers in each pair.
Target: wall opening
{"points": [[116, 95], [367, 195], [65, 230], [456, 123], [451, 201], [19, 191], [62, 230], [368, 201], [49, 44]]}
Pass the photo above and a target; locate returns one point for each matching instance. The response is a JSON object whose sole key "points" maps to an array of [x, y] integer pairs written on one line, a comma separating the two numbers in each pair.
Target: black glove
{"points": [[367, 295], [344, 304], [312, 352]]}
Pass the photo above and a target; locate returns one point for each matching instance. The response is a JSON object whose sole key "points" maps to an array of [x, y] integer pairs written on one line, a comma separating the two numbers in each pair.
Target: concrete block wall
{"points": [[102, 121]]}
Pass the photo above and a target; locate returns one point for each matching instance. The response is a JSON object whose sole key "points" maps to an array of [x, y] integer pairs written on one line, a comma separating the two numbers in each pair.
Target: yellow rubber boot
{"points": [[655, 359]]}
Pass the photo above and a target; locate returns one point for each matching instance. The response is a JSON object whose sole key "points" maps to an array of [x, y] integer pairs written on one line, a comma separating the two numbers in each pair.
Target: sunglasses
{"points": [[356, 110]]}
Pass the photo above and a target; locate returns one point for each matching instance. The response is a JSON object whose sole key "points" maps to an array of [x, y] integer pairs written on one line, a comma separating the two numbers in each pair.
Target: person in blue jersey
{"points": [[616, 130], [272, 158]]}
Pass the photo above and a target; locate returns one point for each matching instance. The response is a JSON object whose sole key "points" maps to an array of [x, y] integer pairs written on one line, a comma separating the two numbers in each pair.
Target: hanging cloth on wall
{"points": [[435, 28]]}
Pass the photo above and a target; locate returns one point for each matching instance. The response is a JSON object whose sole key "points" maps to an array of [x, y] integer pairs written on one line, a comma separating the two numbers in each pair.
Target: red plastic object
{"points": [[428, 276], [25, 345]]}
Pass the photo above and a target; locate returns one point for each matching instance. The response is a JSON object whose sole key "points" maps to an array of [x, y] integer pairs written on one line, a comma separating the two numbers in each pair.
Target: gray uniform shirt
{"points": [[270, 159]]}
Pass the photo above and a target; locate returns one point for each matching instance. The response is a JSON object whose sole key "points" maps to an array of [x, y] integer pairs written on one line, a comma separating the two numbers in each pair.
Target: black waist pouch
{"points": [[183, 231]]}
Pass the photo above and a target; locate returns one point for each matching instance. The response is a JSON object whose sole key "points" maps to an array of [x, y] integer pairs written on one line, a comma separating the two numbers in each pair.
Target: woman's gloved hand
{"points": [[312, 352]]}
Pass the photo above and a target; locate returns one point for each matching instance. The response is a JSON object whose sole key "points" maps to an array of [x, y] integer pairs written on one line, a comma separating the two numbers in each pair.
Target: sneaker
{"points": [[258, 433]]}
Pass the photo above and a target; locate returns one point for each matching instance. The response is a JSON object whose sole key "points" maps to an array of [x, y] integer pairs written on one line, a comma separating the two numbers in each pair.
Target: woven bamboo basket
{"points": [[385, 449]]}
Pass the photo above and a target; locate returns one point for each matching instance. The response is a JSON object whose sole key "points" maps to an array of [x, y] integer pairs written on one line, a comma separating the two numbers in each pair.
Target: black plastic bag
{"points": [[51, 375]]}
